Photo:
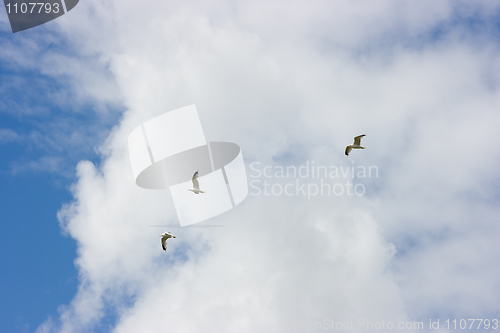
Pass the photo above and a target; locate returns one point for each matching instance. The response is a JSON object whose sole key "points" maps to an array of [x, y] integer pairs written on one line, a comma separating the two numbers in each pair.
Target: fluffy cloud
{"points": [[294, 82]]}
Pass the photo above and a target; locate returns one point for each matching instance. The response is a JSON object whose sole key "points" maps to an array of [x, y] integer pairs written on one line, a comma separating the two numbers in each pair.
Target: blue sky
{"points": [[30, 199], [39, 118], [420, 245]]}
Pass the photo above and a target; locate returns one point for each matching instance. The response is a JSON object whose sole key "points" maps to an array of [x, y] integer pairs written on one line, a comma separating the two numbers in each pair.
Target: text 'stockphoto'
{"points": [[249, 166]]}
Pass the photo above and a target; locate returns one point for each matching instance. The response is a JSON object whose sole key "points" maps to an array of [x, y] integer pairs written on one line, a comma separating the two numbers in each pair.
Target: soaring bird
{"points": [[164, 238], [355, 145], [196, 185]]}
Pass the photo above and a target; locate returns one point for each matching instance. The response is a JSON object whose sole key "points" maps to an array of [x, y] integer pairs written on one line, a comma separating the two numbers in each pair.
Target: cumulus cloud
{"points": [[294, 82]]}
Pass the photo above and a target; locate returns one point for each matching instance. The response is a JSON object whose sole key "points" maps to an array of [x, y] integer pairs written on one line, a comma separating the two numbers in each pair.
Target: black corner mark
{"points": [[26, 14], [70, 4]]}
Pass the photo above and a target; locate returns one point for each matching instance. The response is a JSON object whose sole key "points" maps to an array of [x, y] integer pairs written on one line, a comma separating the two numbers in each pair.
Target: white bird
{"points": [[196, 185], [355, 145], [164, 238]]}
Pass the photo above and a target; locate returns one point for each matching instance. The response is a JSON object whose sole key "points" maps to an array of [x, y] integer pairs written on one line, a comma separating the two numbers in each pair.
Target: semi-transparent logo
{"points": [[166, 151]]}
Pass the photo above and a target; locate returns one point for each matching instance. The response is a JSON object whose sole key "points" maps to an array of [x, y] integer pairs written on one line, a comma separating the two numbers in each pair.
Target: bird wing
{"points": [[357, 140], [196, 185], [347, 150], [164, 243]]}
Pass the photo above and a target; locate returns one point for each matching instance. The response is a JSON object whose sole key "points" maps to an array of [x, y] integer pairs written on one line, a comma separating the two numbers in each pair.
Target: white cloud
{"points": [[8, 135], [268, 77]]}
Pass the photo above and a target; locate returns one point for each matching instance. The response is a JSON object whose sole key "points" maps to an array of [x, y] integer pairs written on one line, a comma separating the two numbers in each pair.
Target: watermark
{"points": [[365, 324], [309, 180], [359, 324], [205, 178], [25, 15]]}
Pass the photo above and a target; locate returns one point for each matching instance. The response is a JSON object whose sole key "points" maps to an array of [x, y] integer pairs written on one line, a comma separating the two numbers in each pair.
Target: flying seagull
{"points": [[355, 145], [164, 238], [196, 185]]}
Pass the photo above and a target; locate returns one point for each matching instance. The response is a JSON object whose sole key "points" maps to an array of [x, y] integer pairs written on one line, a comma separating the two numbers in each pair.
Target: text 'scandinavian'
{"points": [[355, 145]]}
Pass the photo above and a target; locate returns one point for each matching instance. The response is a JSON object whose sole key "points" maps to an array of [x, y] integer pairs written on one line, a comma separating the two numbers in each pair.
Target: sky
{"points": [[290, 82]]}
